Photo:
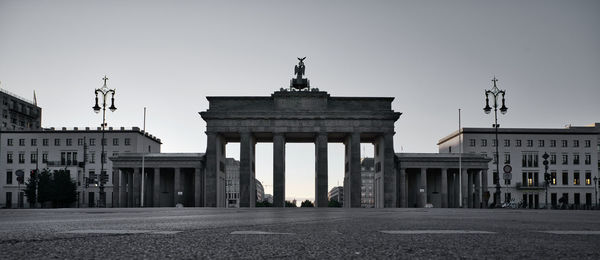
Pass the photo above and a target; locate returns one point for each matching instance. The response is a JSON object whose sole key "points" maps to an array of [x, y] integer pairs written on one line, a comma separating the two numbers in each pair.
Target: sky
{"points": [[433, 57]]}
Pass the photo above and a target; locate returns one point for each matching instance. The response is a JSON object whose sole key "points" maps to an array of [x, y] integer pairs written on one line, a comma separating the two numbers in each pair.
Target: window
{"points": [[588, 159], [588, 178], [92, 157], [507, 197], [564, 143], [9, 142], [575, 158], [552, 158], [506, 143], [483, 142], [565, 178], [104, 141], [529, 143], [115, 141], [33, 158], [21, 157], [552, 143], [79, 141], [495, 178], [540, 143], [103, 157], [33, 142], [506, 158], [128, 142], [9, 177], [576, 178], [576, 199], [21, 142], [588, 143], [524, 160], [495, 158], [494, 143], [530, 160], [56, 142], [69, 141], [553, 178], [45, 157], [63, 158], [471, 142], [45, 142], [518, 144], [92, 141], [575, 143], [530, 179], [565, 158]]}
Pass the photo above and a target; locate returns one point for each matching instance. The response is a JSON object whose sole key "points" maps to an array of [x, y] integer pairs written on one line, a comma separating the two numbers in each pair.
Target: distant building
{"points": [[76, 150], [337, 193], [573, 161], [268, 198], [18, 113], [367, 172], [232, 186]]}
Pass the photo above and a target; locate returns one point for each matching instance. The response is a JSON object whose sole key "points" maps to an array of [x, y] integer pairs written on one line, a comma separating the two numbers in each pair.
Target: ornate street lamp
{"points": [[103, 91], [546, 176], [495, 93]]}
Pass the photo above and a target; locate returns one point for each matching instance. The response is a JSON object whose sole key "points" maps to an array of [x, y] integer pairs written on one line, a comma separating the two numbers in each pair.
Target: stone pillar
{"points": [[352, 179], [463, 186], [278, 170], [321, 170], [136, 187], [389, 174], [177, 186], [156, 188], [484, 187], [116, 187], [470, 189], [422, 195], [197, 187], [247, 183], [444, 194], [403, 193], [477, 180], [130, 189], [214, 165]]}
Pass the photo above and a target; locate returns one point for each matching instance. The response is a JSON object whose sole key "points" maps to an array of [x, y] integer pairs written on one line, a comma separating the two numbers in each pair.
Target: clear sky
{"points": [[434, 57]]}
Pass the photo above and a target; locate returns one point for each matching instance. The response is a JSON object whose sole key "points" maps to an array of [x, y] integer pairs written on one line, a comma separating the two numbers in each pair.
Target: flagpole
{"points": [[143, 171], [459, 162]]}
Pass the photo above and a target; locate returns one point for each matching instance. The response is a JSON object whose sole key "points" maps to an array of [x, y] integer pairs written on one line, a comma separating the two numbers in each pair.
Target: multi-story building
{"points": [[75, 150], [367, 172], [337, 193], [232, 186], [573, 162], [18, 113]]}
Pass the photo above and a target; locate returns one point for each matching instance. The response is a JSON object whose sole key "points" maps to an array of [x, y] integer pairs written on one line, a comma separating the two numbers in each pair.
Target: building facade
{"points": [[75, 150], [232, 184], [573, 162], [367, 173], [337, 193], [18, 113]]}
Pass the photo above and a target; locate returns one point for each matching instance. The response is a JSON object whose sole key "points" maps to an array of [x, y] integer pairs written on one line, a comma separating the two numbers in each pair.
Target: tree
{"points": [[56, 187], [334, 203], [263, 204], [307, 204], [289, 204]]}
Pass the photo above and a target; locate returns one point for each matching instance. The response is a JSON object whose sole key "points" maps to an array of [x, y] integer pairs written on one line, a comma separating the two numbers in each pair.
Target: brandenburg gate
{"points": [[299, 114]]}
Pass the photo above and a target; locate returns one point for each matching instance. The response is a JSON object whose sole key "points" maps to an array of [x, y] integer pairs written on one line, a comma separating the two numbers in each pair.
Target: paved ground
{"points": [[298, 233]]}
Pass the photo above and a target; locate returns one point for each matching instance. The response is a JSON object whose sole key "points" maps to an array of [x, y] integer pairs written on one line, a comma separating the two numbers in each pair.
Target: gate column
{"points": [[278, 170], [247, 183], [321, 170], [352, 180]]}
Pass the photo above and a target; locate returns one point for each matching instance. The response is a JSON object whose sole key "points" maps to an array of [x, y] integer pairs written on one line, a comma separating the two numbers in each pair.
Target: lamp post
{"points": [[596, 189], [546, 176], [103, 91], [495, 93]]}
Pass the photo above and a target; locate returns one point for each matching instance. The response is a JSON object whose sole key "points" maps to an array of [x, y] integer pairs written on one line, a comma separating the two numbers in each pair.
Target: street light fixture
{"points": [[495, 93], [546, 176], [103, 91]]}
